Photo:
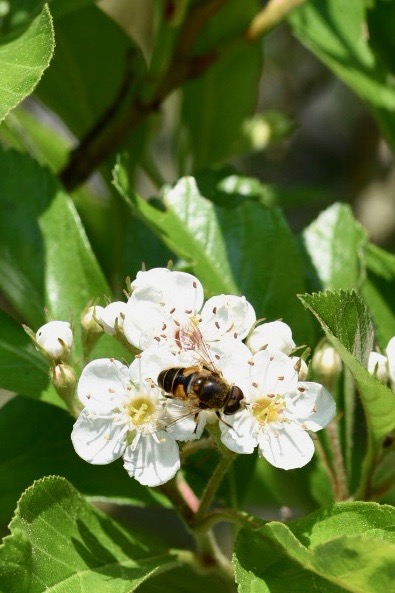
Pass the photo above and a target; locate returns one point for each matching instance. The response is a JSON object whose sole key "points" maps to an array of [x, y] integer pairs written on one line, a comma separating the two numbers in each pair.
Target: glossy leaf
{"points": [[243, 248], [216, 104], [379, 290], [23, 59], [59, 542], [347, 324], [45, 258], [334, 31], [334, 244], [22, 368], [35, 442], [346, 547]]}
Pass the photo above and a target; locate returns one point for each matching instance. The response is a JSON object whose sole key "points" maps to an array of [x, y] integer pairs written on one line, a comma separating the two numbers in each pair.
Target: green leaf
{"points": [[379, 290], [334, 31], [35, 442], [345, 547], [59, 542], [22, 368], [74, 87], [216, 104], [380, 21], [45, 258], [23, 59], [239, 248], [334, 243], [344, 317]]}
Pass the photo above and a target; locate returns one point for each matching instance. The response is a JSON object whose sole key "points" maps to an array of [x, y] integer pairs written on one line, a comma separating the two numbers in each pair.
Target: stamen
{"points": [[251, 363], [301, 389], [172, 310], [215, 310], [281, 378], [217, 324], [235, 335]]}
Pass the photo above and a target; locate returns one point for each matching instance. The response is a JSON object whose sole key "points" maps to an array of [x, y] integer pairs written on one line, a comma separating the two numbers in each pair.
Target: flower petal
{"points": [[56, 338], [112, 316], [145, 318], [182, 292], [103, 384], [287, 448], [96, 439], [181, 423], [153, 277], [238, 432], [273, 372], [147, 366], [226, 314], [153, 460], [325, 408], [274, 335]]}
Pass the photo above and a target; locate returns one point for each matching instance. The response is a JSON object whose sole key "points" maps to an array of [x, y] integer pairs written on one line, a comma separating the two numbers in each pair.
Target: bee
{"points": [[201, 385]]}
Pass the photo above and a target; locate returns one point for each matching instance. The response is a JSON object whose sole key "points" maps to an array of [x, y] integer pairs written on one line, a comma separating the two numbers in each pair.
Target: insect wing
{"points": [[192, 342]]}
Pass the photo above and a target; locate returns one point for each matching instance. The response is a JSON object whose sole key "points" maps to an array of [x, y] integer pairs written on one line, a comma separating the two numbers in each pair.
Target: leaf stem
{"points": [[341, 492], [213, 485]]}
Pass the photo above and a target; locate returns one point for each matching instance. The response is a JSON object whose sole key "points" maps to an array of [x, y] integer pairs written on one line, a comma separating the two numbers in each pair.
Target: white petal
{"points": [[55, 338], [181, 423], [113, 315], [103, 384], [231, 357], [148, 365], [226, 314], [182, 292], [275, 335], [97, 439], [145, 318], [288, 448], [274, 372], [238, 432], [325, 408], [390, 351], [153, 277], [153, 460], [378, 366]]}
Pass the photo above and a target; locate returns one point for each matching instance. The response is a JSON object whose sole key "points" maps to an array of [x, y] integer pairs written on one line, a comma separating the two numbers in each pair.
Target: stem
{"points": [[213, 484], [342, 492], [171, 490], [270, 16], [210, 555], [238, 518], [327, 465]]}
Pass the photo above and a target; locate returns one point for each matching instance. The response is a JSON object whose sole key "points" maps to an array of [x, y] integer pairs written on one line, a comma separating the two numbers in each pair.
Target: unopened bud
{"points": [[326, 361], [64, 381], [112, 318], [378, 366], [275, 335], [90, 319], [300, 367], [55, 339]]}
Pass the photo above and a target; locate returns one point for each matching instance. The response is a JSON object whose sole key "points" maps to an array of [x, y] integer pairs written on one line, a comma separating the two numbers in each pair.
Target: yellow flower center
{"points": [[267, 409], [140, 409]]}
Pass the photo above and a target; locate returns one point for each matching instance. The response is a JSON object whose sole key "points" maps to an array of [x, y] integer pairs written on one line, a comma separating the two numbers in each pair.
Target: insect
{"points": [[202, 385]]}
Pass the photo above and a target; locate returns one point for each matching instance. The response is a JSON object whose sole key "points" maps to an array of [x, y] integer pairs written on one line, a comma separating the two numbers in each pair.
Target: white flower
{"points": [[125, 415], [378, 366], [274, 335], [56, 338], [280, 411], [111, 317], [164, 301]]}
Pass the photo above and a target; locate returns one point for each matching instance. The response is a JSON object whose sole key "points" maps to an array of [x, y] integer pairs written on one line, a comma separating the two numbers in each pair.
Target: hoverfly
{"points": [[201, 385]]}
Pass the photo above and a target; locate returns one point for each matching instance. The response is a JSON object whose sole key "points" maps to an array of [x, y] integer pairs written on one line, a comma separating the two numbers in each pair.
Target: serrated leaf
{"points": [[334, 243], [346, 547], [334, 31], [35, 442], [346, 322], [216, 104], [23, 59], [45, 258], [379, 290], [239, 248], [59, 542]]}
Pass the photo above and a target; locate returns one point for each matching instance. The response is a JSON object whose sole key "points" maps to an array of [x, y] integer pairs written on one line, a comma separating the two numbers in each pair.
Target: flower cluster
{"points": [[199, 362]]}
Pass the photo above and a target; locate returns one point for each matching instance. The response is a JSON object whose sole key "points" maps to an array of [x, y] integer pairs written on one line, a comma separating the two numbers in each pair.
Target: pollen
{"points": [[140, 409], [268, 409]]}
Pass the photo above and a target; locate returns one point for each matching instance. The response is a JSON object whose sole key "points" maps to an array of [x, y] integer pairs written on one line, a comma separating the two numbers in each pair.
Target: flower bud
{"points": [[112, 317], [275, 335], [90, 319], [390, 352], [56, 339], [378, 366], [326, 361], [64, 381], [301, 367]]}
